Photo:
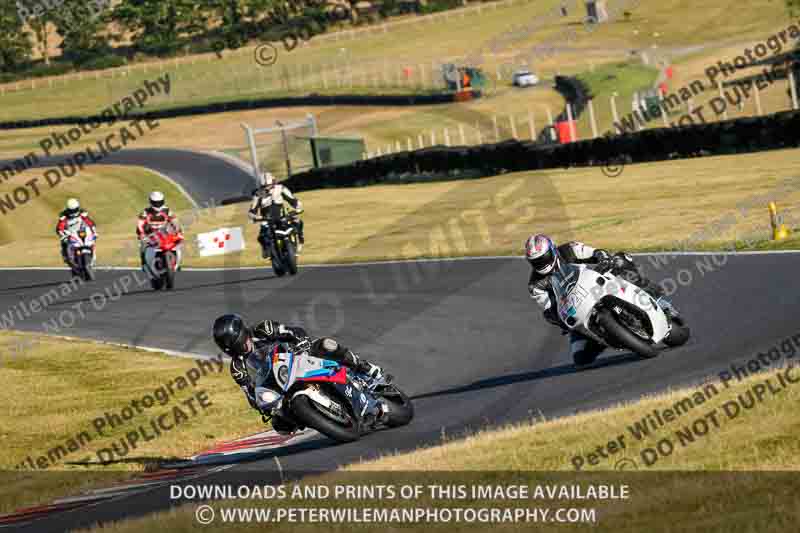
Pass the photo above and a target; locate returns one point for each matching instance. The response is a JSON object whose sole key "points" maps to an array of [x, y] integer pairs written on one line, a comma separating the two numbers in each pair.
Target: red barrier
{"points": [[565, 132]]}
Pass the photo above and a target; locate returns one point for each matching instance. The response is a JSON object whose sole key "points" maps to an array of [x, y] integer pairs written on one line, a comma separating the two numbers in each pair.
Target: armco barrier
{"points": [[243, 105], [742, 135]]}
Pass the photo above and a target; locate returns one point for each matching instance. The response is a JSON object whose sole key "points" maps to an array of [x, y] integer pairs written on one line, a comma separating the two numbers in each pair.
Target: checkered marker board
{"points": [[221, 241]]}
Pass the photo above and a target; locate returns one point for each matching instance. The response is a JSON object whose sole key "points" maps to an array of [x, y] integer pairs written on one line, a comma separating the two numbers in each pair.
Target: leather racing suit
{"points": [[253, 371], [622, 265]]}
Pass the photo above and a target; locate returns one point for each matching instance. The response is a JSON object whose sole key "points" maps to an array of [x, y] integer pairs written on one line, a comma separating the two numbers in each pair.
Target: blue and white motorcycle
{"points": [[335, 400]]}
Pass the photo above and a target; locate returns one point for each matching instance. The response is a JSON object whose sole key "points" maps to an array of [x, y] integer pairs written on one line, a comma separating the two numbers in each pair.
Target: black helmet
{"points": [[231, 334]]}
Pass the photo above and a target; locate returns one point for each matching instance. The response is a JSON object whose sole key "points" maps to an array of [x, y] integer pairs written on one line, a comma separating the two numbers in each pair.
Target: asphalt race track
{"points": [[462, 337], [205, 177]]}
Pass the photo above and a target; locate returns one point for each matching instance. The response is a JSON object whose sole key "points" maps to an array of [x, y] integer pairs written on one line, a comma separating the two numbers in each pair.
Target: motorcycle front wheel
{"points": [[277, 261], [86, 267], [169, 270], [622, 337], [290, 257], [401, 410], [313, 416]]}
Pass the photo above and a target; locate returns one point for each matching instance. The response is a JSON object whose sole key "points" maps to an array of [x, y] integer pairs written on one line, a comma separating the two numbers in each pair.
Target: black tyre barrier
{"points": [[575, 92], [242, 105], [745, 135]]}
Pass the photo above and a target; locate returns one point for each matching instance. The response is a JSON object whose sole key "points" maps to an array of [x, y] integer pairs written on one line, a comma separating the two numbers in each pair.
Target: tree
{"points": [[15, 45], [40, 27], [793, 7], [81, 24], [160, 26]]}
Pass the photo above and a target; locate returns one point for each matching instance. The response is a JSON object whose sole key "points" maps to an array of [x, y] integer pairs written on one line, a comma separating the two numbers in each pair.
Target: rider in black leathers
{"points": [[270, 201], [251, 349]]}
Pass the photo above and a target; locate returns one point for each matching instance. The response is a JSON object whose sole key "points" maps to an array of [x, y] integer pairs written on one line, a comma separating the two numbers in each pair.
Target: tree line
{"points": [[92, 29]]}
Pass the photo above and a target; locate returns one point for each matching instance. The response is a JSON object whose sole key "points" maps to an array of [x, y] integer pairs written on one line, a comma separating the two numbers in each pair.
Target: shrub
{"points": [[104, 62]]}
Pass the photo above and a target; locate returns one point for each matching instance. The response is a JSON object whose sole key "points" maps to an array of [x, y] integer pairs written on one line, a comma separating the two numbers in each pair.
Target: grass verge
{"points": [[666, 205], [763, 437], [82, 382]]}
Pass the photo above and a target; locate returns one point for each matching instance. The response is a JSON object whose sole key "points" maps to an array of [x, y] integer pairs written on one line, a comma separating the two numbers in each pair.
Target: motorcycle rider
{"points": [[250, 350], [69, 218], [544, 256], [268, 204], [154, 217]]}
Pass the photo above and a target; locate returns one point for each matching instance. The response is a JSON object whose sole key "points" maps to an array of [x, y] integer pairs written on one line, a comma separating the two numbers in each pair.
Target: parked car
{"points": [[525, 78]]}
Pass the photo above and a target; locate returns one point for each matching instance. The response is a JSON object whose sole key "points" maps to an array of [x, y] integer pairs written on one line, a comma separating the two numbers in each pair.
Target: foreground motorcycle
{"points": [[335, 400], [161, 257], [81, 251], [614, 312], [281, 235]]}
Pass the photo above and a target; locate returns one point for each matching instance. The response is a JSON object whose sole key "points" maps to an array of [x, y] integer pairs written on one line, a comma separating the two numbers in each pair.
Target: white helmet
{"points": [[156, 199], [541, 253], [73, 207], [267, 179]]}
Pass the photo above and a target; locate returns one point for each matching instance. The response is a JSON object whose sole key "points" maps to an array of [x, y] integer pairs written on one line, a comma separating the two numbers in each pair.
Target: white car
{"points": [[525, 78]]}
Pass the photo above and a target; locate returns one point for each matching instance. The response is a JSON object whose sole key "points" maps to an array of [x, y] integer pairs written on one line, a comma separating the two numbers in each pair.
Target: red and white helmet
{"points": [[541, 253]]}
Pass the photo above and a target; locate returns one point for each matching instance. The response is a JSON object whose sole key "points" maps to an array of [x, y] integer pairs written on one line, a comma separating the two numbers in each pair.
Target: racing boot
{"points": [[330, 349]]}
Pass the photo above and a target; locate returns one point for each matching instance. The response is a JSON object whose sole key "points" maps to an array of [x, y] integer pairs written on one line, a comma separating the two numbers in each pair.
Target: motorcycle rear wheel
{"points": [[306, 412], [622, 337]]}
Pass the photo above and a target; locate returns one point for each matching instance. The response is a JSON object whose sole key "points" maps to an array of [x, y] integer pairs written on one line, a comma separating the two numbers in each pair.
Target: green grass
{"points": [[619, 80], [114, 196], [678, 23], [664, 204]]}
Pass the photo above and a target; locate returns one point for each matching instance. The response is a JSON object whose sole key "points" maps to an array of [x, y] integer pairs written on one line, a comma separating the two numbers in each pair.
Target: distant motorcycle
{"points": [[335, 400], [281, 235], [81, 251], [613, 311], [161, 257]]}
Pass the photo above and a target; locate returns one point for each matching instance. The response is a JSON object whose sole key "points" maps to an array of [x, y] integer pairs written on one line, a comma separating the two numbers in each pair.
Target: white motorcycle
{"points": [[81, 250], [613, 312]]}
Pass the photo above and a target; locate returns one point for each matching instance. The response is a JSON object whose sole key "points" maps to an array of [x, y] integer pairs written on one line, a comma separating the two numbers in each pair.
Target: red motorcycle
{"points": [[161, 256]]}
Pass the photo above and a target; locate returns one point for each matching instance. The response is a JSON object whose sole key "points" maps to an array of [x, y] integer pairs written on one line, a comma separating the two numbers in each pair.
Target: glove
{"points": [[303, 345], [550, 316], [622, 260], [601, 255], [239, 372]]}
